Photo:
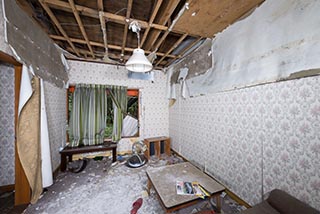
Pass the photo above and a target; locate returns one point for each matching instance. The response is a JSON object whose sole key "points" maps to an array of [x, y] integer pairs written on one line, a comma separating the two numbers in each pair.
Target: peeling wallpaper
{"points": [[255, 139], [154, 105], [55, 99], [7, 132]]}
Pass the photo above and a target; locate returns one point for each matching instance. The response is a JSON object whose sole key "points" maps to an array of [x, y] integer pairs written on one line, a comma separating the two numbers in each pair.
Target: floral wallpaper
{"points": [[7, 132], [153, 103], [55, 99], [255, 139]]}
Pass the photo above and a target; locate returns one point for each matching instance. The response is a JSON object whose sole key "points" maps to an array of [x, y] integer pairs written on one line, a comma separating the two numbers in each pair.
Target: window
{"points": [[132, 112]]}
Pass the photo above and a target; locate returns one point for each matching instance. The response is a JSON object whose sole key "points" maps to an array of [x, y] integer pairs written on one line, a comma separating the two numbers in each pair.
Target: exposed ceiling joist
{"points": [[124, 40], [166, 12], [57, 23], [99, 28], [83, 31], [153, 16], [114, 47], [172, 48], [100, 5]]}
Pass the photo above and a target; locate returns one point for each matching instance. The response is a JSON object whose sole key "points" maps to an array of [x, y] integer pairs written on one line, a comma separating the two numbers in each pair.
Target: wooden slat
{"points": [[100, 5], [83, 31], [172, 48], [125, 34], [104, 31], [114, 47], [153, 16], [22, 187], [86, 11], [56, 22], [165, 15]]}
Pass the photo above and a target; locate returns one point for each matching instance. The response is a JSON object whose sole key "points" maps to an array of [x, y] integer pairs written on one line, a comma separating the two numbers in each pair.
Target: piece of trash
{"points": [[144, 194], [136, 205], [114, 164], [223, 194]]}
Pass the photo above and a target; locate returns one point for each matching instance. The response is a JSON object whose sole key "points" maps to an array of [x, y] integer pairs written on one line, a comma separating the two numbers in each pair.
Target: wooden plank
{"points": [[113, 47], [56, 22], [172, 48], [100, 5], [83, 31], [165, 12], [153, 16], [211, 17], [22, 187], [86, 11], [124, 39]]}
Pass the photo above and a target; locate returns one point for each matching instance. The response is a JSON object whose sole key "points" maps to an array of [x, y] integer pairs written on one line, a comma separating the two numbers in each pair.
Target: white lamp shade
{"points": [[138, 62]]}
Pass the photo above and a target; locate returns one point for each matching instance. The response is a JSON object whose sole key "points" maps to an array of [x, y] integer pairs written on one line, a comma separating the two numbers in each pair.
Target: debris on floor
{"points": [[109, 188]]}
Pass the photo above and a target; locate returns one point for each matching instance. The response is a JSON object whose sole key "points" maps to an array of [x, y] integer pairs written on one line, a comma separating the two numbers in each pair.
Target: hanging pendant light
{"points": [[138, 62]]}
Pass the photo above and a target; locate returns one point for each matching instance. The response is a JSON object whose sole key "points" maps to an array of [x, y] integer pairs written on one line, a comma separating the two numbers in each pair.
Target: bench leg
{"points": [[63, 164], [114, 155]]}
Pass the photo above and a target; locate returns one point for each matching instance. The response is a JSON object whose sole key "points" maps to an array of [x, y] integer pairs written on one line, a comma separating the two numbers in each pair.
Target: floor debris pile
{"points": [[107, 188]]}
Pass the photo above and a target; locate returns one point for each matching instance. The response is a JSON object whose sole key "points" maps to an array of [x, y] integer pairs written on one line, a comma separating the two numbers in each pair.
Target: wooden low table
{"points": [[163, 180], [69, 151]]}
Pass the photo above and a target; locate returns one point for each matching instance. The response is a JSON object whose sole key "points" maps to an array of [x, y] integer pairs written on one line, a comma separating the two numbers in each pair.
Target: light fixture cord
{"points": [[138, 36]]}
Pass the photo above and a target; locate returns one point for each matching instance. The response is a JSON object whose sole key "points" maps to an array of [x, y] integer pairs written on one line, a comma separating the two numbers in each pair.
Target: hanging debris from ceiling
{"points": [[32, 46], [277, 41]]}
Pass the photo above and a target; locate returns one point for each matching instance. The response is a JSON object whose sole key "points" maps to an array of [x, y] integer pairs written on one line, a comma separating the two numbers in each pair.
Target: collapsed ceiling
{"points": [[97, 30]]}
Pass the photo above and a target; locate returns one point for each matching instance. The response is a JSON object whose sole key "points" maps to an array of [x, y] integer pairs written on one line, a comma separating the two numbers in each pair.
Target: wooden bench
{"points": [[69, 151]]}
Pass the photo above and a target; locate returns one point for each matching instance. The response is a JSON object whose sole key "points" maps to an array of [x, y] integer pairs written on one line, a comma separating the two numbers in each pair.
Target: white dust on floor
{"points": [[99, 191]]}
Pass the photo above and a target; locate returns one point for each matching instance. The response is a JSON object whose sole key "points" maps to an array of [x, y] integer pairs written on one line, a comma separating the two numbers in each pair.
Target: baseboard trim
{"points": [[232, 195], [7, 188]]}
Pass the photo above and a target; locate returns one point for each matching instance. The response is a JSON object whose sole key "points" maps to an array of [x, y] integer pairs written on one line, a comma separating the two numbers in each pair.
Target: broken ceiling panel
{"points": [[75, 25], [207, 17]]}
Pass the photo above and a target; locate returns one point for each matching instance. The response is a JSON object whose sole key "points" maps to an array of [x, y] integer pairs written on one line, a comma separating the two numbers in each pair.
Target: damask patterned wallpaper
{"points": [[55, 99], [154, 105], [255, 139], [6, 125]]}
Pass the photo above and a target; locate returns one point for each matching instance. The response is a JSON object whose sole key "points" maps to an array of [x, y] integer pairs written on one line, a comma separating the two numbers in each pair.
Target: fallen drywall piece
{"points": [[31, 46], [279, 39]]}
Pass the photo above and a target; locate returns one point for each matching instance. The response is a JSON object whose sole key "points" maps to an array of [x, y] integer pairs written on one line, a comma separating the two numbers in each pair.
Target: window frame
{"points": [[132, 92]]}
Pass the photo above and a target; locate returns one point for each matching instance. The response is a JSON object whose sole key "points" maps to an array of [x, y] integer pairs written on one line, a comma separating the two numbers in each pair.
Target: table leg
{"points": [[149, 186], [63, 164], [218, 203], [114, 154]]}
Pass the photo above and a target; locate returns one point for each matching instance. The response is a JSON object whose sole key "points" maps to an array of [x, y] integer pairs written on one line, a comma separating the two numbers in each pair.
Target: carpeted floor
{"points": [[102, 188]]}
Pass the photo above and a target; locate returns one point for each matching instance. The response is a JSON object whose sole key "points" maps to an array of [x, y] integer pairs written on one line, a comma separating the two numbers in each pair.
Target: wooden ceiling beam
{"points": [[86, 52], [153, 16], [100, 5], [57, 23], [172, 48], [113, 47], [83, 31], [125, 34], [104, 32], [86, 11], [166, 12]]}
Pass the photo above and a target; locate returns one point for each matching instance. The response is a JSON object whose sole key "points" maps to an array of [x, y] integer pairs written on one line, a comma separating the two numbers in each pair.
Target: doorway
{"points": [[13, 178]]}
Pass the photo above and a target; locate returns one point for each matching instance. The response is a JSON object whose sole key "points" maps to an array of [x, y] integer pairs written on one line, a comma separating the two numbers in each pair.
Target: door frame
{"points": [[21, 186]]}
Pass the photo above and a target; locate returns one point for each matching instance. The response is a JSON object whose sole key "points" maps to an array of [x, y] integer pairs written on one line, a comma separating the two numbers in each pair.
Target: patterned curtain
{"points": [[88, 115], [119, 99]]}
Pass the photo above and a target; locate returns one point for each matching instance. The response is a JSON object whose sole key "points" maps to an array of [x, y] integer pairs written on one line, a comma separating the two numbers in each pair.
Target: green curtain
{"points": [[119, 99], [88, 115]]}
